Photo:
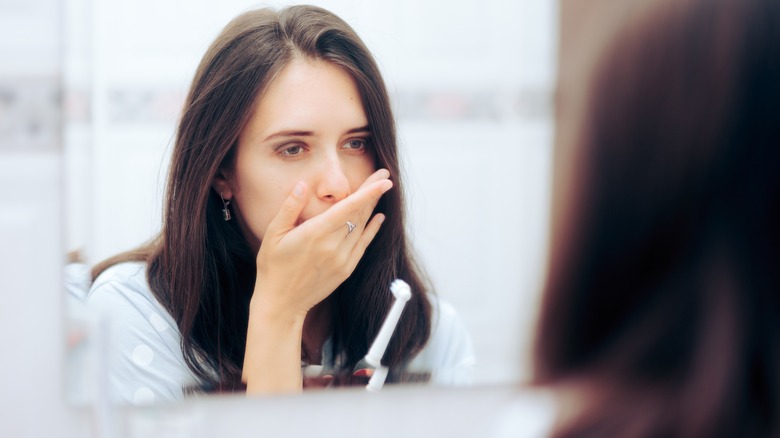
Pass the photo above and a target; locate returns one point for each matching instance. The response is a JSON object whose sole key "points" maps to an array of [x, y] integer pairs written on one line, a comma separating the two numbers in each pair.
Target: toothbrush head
{"points": [[401, 290]]}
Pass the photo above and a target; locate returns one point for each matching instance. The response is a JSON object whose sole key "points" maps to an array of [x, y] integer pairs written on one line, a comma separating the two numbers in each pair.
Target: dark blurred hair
{"points": [[664, 286], [201, 268]]}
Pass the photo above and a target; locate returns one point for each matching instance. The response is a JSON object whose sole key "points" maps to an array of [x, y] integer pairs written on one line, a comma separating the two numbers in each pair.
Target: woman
{"points": [[283, 226], [660, 311]]}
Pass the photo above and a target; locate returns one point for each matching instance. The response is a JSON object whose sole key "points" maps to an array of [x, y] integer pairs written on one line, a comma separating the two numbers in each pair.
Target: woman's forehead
{"points": [[308, 96]]}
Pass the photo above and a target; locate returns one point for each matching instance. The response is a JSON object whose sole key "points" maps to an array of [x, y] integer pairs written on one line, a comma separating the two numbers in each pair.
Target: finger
{"points": [[361, 377], [376, 176], [366, 238], [291, 209], [358, 206]]}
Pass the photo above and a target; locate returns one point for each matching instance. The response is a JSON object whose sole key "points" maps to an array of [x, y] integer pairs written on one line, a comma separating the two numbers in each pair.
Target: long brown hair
{"points": [[663, 292], [201, 268]]}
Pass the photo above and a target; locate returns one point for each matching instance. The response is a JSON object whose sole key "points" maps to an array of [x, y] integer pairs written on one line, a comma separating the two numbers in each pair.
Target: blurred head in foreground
{"points": [[662, 302]]}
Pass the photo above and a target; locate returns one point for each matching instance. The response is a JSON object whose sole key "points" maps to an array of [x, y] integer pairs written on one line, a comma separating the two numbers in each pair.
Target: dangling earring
{"points": [[225, 209]]}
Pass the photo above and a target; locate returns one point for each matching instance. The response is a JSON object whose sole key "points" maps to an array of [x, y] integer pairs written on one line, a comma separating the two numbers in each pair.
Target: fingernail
{"points": [[298, 191], [363, 372]]}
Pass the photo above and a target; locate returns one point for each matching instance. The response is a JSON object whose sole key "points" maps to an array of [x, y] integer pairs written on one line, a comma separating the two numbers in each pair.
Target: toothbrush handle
{"points": [[377, 380], [377, 350]]}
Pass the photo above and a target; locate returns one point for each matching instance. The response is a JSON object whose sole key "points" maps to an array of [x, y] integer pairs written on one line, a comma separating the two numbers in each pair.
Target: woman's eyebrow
{"points": [[362, 129], [290, 133], [302, 133]]}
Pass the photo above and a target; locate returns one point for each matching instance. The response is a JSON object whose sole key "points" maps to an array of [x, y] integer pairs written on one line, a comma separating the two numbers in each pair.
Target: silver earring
{"points": [[225, 208]]}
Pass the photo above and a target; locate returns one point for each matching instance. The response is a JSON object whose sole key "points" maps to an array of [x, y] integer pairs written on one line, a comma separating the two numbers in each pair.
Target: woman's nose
{"points": [[332, 184]]}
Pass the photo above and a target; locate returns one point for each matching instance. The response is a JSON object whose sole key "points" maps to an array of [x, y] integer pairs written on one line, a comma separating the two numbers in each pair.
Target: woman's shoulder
{"points": [[449, 353], [446, 321], [146, 362], [127, 278], [123, 285], [129, 273]]}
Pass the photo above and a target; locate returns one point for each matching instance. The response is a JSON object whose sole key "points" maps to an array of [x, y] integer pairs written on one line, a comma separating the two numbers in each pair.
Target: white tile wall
{"points": [[31, 249]]}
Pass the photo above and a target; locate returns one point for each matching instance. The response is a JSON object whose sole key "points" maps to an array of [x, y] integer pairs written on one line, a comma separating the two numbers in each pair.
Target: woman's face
{"points": [[308, 126]]}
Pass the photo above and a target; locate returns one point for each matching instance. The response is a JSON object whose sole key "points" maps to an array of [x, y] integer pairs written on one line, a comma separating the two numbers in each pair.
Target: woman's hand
{"points": [[299, 266]]}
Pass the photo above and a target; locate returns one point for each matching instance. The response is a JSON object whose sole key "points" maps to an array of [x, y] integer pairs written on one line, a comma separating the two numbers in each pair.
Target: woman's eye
{"points": [[356, 144], [292, 151]]}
